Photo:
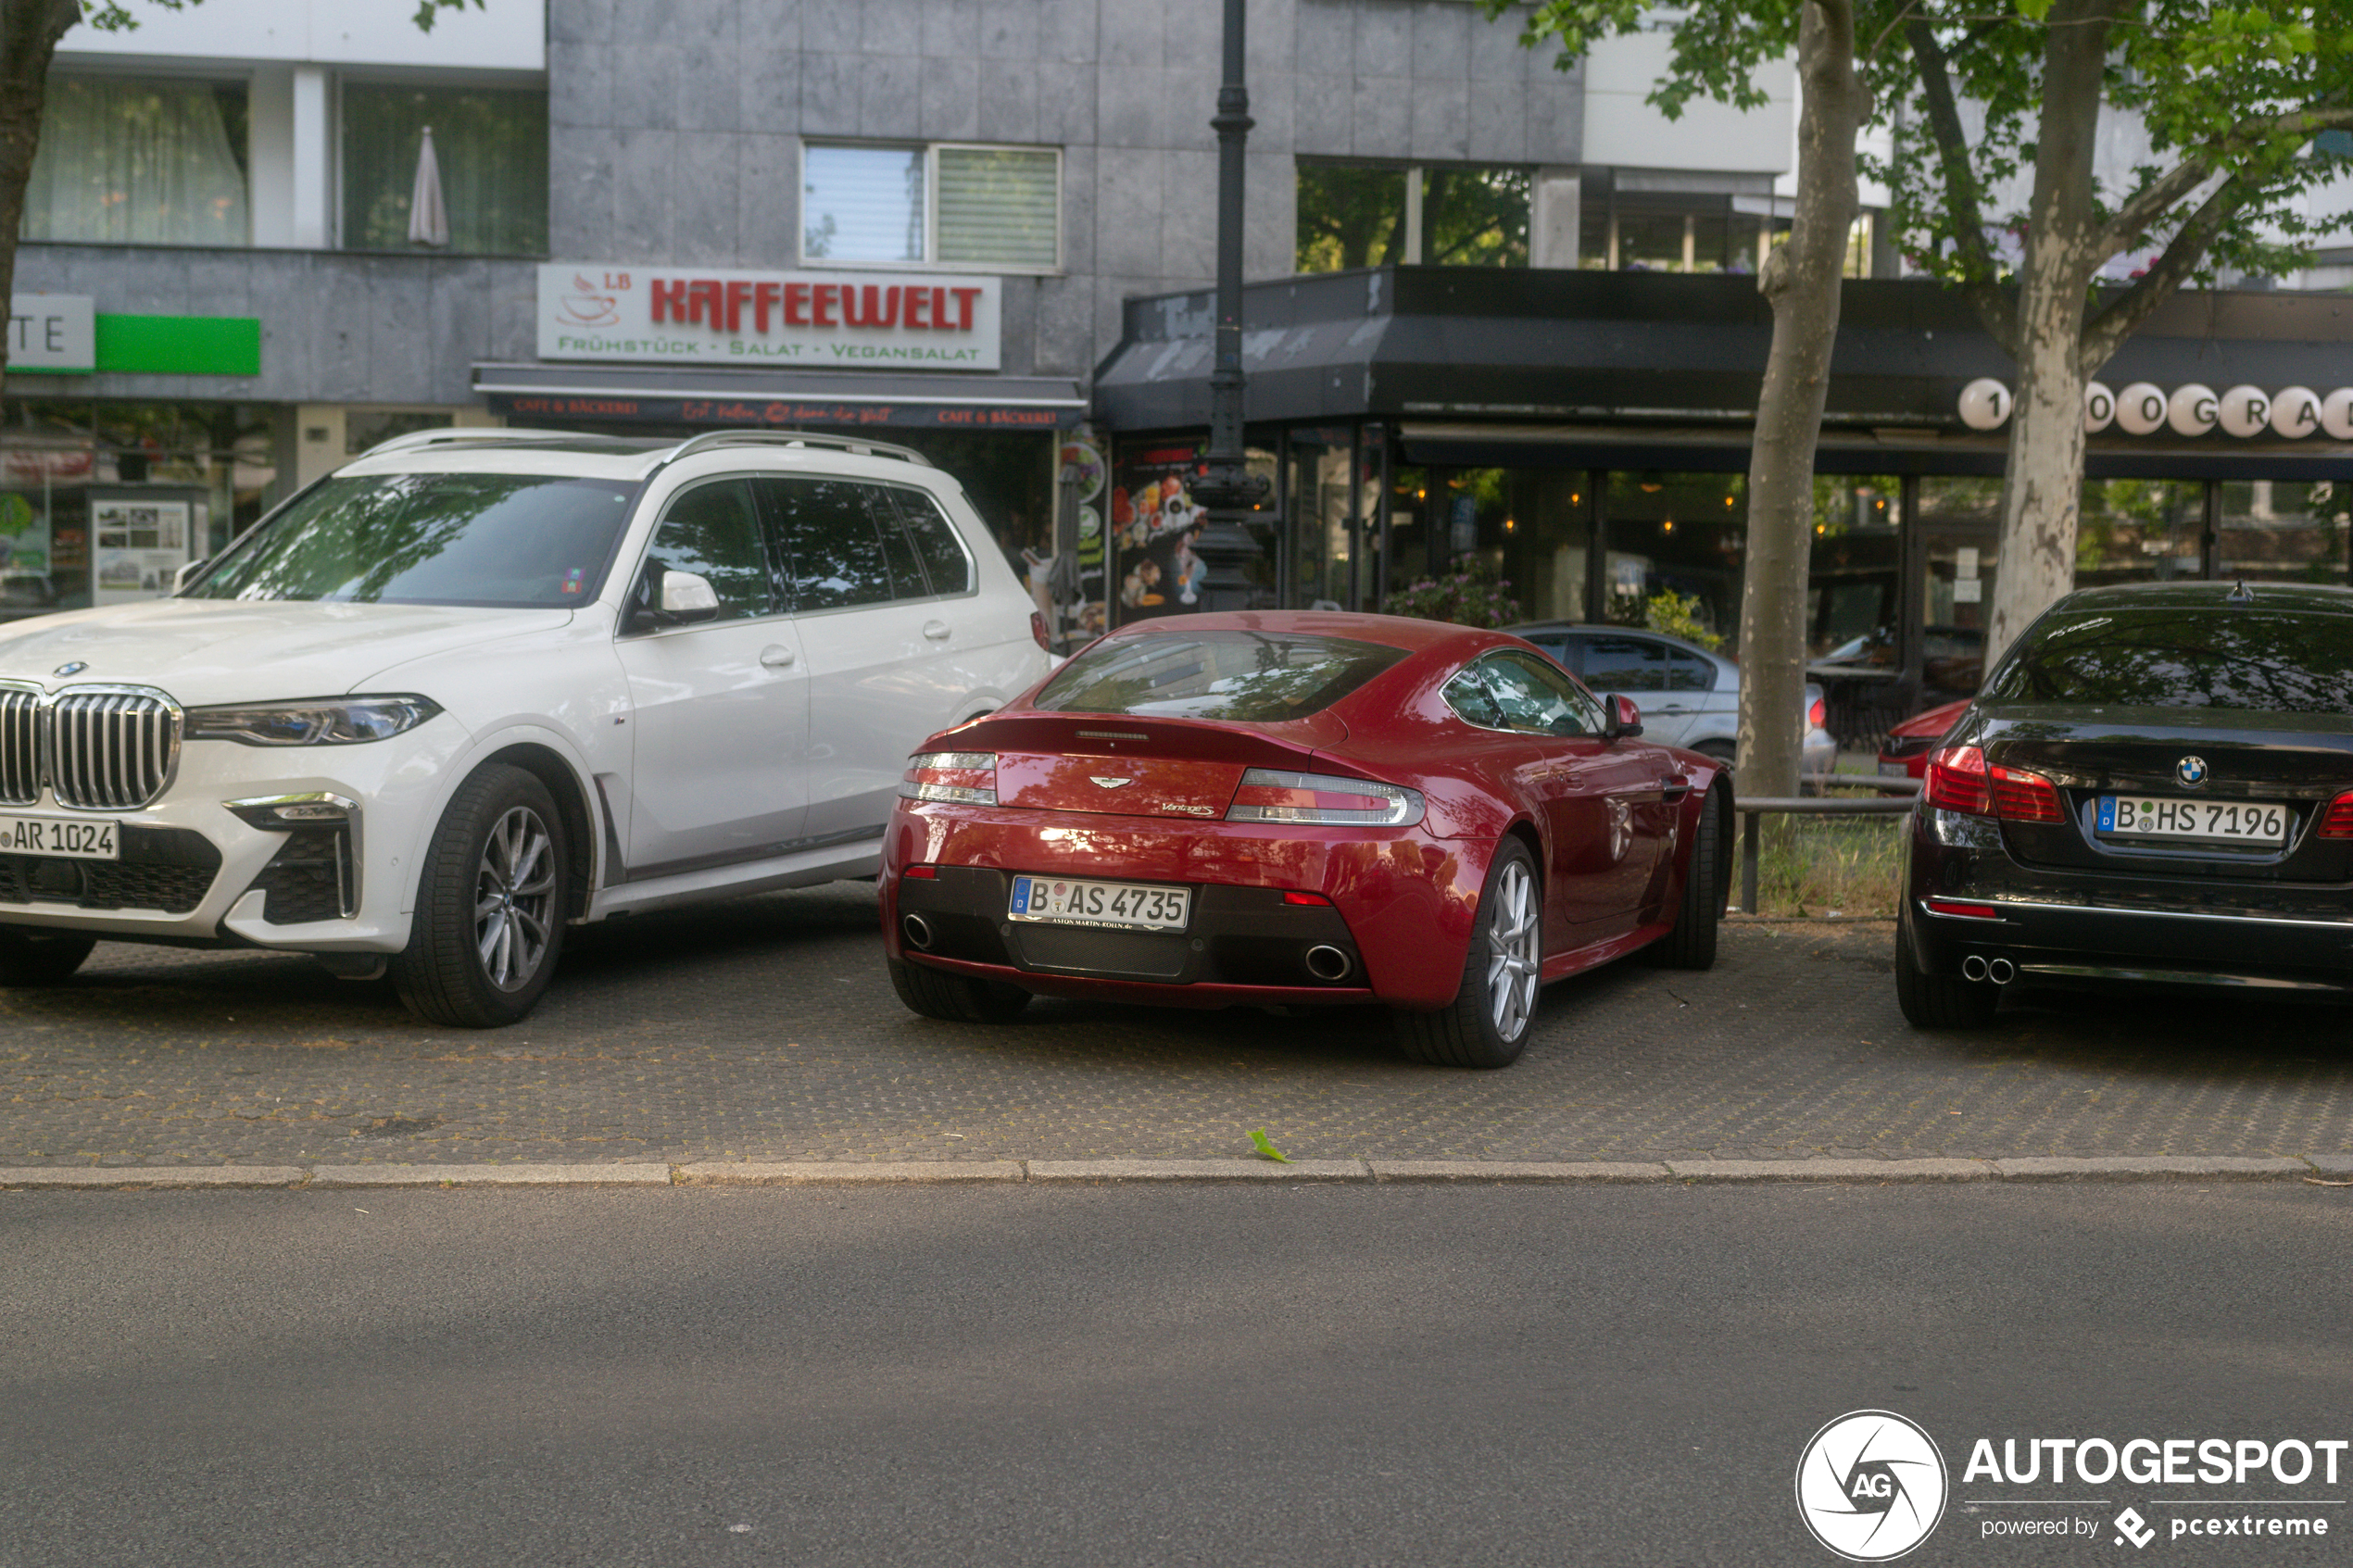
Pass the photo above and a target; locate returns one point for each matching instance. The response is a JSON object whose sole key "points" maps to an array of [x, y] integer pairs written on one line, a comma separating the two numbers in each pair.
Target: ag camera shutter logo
{"points": [[1871, 1485]]}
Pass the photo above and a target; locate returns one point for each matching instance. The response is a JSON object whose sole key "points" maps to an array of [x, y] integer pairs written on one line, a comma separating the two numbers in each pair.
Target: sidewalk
{"points": [[766, 1031]]}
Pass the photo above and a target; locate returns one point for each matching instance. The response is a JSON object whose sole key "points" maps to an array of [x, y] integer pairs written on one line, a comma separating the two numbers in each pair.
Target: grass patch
{"points": [[1828, 865]]}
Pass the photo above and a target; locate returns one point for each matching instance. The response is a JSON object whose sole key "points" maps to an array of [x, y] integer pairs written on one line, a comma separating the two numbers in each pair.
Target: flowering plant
{"points": [[1471, 596]]}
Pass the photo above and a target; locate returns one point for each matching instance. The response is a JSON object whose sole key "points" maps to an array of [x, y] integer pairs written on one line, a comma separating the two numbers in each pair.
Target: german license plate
{"points": [[73, 838], [1894, 770], [2227, 822], [1126, 904]]}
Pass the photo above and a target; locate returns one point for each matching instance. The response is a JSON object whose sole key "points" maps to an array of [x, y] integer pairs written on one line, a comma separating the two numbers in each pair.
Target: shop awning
{"points": [[632, 394], [1485, 367]]}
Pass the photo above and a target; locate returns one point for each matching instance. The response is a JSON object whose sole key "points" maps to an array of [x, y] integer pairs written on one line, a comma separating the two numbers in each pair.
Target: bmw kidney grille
{"points": [[100, 749]]}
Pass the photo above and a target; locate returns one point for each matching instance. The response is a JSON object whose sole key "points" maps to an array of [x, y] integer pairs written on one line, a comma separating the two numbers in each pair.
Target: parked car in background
{"points": [[1302, 808], [1903, 754], [1690, 696], [2156, 787], [479, 684]]}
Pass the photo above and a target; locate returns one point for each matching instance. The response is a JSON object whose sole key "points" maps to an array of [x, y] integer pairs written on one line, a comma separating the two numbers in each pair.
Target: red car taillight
{"points": [[2338, 823], [1038, 631], [1270, 794], [1959, 780], [1818, 715], [961, 778]]}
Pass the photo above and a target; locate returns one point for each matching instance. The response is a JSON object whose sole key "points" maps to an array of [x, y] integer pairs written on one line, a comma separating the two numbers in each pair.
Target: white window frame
{"points": [[931, 262]]}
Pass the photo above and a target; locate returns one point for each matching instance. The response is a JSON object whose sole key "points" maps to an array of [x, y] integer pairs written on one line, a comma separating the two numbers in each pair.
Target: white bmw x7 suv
{"points": [[477, 685]]}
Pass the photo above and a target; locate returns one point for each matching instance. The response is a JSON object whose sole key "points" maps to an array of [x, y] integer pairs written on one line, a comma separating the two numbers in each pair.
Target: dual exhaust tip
{"points": [[2001, 972], [1324, 961]]}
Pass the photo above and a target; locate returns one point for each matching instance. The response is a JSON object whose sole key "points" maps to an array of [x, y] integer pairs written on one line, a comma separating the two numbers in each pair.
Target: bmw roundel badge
{"points": [[2191, 770], [76, 668]]}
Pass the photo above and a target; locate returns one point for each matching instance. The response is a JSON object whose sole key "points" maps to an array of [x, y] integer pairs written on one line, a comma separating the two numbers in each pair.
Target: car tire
{"points": [[955, 999], [1721, 751], [41, 958], [489, 924], [1938, 1001], [1488, 1023], [1691, 944]]}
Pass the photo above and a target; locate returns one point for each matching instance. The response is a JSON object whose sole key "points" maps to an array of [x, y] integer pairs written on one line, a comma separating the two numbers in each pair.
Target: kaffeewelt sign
{"points": [[719, 315]]}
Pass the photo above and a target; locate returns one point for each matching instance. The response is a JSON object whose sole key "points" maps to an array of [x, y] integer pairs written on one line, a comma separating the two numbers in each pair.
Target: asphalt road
{"points": [[766, 1029], [1191, 1375]]}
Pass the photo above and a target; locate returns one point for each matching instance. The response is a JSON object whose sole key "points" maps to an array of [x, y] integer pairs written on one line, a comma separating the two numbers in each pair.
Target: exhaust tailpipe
{"points": [[2001, 972], [1326, 962], [916, 930], [1972, 967]]}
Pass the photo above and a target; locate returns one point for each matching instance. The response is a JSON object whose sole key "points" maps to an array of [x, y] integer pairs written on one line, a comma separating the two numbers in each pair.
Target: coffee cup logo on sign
{"points": [[2145, 409]]}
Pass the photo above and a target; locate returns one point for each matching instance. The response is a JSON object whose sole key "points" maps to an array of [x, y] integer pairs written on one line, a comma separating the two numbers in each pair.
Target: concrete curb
{"points": [[1057, 1173]]}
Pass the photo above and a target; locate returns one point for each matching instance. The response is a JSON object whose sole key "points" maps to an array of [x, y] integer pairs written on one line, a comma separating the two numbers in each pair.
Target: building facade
{"points": [[265, 234]]}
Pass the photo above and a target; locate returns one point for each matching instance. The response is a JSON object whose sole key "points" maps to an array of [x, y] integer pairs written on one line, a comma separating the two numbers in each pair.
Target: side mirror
{"points": [[187, 574], [1620, 719], [688, 598], [672, 598]]}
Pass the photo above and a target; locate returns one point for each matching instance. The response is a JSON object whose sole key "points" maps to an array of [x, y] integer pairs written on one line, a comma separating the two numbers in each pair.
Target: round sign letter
{"points": [[2192, 409], [1985, 403], [2246, 412], [2099, 408], [2336, 413], [2295, 412], [2140, 409]]}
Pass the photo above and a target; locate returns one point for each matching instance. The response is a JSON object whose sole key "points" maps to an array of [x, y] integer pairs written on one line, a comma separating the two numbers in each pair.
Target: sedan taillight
{"points": [[1818, 715], [1270, 794], [2337, 822], [1960, 779], [1038, 631], [961, 778]]}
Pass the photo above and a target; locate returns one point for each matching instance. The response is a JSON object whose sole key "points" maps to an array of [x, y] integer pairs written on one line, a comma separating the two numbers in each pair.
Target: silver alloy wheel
{"points": [[514, 898], [1514, 957]]}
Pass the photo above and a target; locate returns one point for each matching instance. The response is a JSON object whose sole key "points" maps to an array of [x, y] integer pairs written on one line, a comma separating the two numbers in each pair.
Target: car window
{"points": [[506, 540], [1626, 664], [712, 531], [833, 553], [898, 551], [1536, 697], [945, 564], [1244, 677], [1468, 695], [2231, 658], [1687, 672]]}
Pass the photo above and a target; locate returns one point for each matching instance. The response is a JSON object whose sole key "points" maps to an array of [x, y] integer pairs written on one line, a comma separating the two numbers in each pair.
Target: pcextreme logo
{"points": [[1871, 1485]]}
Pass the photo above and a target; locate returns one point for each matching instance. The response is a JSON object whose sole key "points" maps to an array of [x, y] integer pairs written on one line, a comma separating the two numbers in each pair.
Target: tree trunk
{"points": [[1802, 282], [29, 34], [2043, 484]]}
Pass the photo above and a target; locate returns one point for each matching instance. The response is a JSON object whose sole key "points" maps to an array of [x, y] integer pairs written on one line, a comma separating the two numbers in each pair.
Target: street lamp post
{"points": [[1224, 485]]}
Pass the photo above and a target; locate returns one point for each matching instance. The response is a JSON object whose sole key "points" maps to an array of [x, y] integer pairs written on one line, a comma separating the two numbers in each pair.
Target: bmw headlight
{"points": [[324, 720]]}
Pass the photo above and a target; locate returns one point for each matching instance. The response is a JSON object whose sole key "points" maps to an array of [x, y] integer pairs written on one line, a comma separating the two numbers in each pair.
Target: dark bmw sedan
{"points": [[2156, 787]]}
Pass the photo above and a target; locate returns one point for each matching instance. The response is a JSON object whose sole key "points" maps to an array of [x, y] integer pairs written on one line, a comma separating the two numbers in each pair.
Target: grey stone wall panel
{"points": [[1008, 31], [882, 27], [888, 95], [579, 85], [1323, 115], [1133, 107], [706, 192], [1132, 33], [1441, 120], [951, 98], [829, 95], [1326, 38], [580, 21], [768, 201], [1381, 117], [952, 29], [1440, 34], [580, 192], [644, 171], [1127, 212], [1008, 108], [710, 83], [645, 88], [1384, 39], [1189, 214], [1067, 30]]}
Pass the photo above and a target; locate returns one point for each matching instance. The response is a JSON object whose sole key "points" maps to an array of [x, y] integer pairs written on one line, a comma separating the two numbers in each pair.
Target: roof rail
{"points": [[452, 434], [717, 438]]}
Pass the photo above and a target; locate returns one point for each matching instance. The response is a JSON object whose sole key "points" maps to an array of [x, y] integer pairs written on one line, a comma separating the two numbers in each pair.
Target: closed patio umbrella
{"points": [[428, 219]]}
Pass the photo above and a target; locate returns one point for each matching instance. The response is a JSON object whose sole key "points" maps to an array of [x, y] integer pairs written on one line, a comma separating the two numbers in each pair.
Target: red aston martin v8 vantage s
{"points": [[1298, 808]]}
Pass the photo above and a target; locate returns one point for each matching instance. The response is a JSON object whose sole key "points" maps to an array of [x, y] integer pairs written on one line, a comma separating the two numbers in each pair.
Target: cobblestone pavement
{"points": [[766, 1029]]}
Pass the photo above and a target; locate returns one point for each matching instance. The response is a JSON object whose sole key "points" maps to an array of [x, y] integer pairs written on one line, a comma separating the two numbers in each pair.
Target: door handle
{"points": [[775, 655], [937, 631], [1674, 787]]}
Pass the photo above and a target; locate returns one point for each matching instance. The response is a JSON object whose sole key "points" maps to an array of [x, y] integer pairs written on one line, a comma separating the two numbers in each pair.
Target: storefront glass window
{"points": [[489, 144], [1684, 533], [2134, 529], [140, 162], [2284, 530], [1475, 216], [1349, 215], [1324, 535], [102, 503]]}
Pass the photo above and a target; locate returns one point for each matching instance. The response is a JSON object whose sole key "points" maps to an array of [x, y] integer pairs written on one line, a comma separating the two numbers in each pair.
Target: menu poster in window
{"points": [[1154, 522], [136, 548]]}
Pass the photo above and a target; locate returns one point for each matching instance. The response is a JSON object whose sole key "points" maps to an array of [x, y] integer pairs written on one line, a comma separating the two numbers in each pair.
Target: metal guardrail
{"points": [[1901, 791]]}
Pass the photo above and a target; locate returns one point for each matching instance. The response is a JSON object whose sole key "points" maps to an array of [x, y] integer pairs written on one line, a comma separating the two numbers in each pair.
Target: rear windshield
{"points": [[506, 540], [2223, 657], [1248, 677]]}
